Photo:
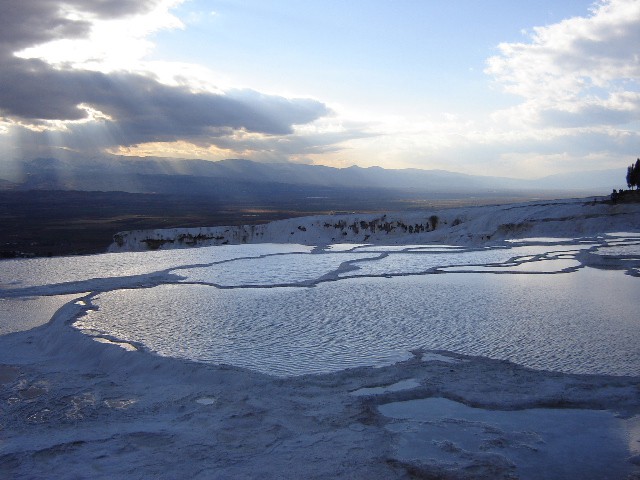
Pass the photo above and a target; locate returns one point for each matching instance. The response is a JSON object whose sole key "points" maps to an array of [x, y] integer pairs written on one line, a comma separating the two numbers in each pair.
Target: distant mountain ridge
{"points": [[160, 175]]}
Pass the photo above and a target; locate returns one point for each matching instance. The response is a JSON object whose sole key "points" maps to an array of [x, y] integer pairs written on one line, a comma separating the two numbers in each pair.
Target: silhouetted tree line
{"points": [[633, 180], [633, 175], [381, 225]]}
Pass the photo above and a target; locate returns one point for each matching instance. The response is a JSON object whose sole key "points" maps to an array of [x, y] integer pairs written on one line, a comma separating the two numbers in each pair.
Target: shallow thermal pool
{"points": [[566, 305], [536, 442], [309, 311]]}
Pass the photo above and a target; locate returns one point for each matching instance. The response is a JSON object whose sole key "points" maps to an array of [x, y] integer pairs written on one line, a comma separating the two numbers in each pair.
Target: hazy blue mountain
{"points": [[609, 179], [162, 175]]}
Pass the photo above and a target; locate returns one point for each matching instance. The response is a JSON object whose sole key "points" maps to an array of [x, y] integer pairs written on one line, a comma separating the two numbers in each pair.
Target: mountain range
{"points": [[229, 177], [72, 204]]}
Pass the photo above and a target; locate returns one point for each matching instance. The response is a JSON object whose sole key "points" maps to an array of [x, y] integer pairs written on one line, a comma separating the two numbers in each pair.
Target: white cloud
{"points": [[581, 71], [112, 44]]}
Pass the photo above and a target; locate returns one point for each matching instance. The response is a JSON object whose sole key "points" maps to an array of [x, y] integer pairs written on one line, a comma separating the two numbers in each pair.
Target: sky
{"points": [[498, 87]]}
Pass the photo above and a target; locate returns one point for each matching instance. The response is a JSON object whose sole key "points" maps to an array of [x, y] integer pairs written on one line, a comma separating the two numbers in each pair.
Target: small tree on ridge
{"points": [[633, 175]]}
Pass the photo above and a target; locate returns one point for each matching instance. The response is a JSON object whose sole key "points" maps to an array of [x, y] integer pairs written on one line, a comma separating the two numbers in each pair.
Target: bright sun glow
{"points": [[178, 149]]}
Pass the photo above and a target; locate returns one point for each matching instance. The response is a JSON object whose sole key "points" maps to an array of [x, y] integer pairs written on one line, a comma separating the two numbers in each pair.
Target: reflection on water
{"points": [[47, 271], [554, 265], [25, 313], [417, 261], [536, 440], [272, 270], [583, 322]]}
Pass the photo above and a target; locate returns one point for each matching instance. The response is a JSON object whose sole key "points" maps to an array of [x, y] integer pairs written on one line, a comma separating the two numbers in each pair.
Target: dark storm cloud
{"points": [[142, 109], [24, 23], [30, 90]]}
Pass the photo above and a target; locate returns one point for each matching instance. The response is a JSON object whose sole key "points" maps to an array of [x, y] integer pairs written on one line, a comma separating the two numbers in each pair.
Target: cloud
{"points": [[579, 72], [32, 91], [310, 140], [66, 83], [27, 23], [133, 108]]}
